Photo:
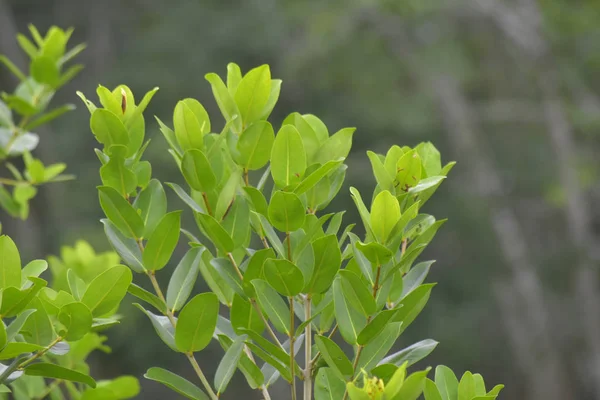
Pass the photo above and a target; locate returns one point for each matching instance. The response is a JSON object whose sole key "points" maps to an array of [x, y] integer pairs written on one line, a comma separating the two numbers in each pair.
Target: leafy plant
{"points": [[48, 332], [26, 109], [286, 273]]}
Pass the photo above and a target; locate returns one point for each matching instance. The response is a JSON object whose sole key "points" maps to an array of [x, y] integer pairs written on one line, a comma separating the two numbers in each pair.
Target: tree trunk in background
{"points": [[522, 301], [27, 233], [528, 21]]}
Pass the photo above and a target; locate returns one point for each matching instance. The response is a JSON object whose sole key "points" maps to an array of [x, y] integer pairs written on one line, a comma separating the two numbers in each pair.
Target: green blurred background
{"points": [[508, 88]]}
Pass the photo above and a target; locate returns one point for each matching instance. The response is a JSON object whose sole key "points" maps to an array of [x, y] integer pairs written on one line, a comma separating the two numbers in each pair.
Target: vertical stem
{"points": [[292, 338], [208, 209], [307, 350], [190, 356], [246, 179], [289, 247]]}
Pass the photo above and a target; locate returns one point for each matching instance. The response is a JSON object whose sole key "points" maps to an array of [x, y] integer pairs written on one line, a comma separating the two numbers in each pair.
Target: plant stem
{"points": [[11, 182], [354, 365], [246, 178], [208, 209], [40, 353], [253, 302], [376, 284], [307, 350], [289, 247], [192, 359], [190, 356], [292, 338]]}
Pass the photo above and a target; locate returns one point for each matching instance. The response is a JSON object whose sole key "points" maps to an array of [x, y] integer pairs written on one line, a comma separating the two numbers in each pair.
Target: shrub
{"points": [[284, 276], [49, 331]]}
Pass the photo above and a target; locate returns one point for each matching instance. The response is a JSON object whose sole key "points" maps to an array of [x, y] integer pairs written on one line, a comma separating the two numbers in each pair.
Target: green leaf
{"points": [[309, 137], [336, 146], [273, 305], [14, 349], [227, 195], [255, 269], [38, 329], [120, 212], [17, 324], [254, 145], [215, 232], [225, 101], [228, 364], [3, 336], [148, 297], [411, 354], [253, 374], [244, 316], [191, 123], [77, 319], [163, 327], [413, 304], [284, 276], [385, 213], [412, 388], [375, 327], [197, 171], [116, 174], [237, 222], [152, 203], [14, 300], [446, 382], [162, 242], [126, 247], [286, 211], [376, 253], [362, 210], [409, 171], [48, 370], [252, 93], [107, 290], [183, 279], [466, 387], [328, 386], [393, 386], [357, 293], [10, 263], [335, 357], [349, 321], [124, 387], [495, 391], [229, 274], [288, 159], [430, 157], [175, 383], [273, 97], [430, 391], [234, 77], [257, 200], [377, 348], [34, 269], [316, 176], [328, 259], [197, 322], [108, 128], [384, 179], [44, 70]]}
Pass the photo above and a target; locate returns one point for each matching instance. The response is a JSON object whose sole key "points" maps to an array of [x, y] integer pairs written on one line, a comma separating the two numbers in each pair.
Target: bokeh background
{"points": [[508, 88]]}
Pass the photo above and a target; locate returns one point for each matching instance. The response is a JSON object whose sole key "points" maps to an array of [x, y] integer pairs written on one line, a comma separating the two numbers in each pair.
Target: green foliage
{"points": [[280, 268], [27, 108]]}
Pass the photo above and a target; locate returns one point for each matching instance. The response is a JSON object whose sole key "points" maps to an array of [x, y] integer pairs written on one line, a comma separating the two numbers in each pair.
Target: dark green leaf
{"points": [[197, 322]]}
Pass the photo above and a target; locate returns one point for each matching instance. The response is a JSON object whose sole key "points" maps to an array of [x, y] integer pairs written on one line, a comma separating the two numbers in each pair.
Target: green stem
{"points": [[292, 338], [190, 356], [40, 353], [11, 182], [208, 209], [307, 350]]}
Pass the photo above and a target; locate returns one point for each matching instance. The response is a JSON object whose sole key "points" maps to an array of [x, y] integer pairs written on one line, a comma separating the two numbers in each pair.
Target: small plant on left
{"points": [[48, 330]]}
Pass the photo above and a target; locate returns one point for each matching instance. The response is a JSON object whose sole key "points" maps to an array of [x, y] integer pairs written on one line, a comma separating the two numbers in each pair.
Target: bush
{"points": [[284, 275]]}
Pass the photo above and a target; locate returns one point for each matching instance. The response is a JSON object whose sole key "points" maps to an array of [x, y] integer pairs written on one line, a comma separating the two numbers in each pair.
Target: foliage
{"points": [[27, 109], [48, 331], [286, 272]]}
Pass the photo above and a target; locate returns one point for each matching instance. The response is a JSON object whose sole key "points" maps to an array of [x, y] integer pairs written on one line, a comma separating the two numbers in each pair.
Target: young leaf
{"points": [[254, 145], [446, 382], [288, 159], [197, 322], [225, 101], [108, 128], [197, 171], [409, 171], [385, 213], [191, 123], [77, 319], [252, 93], [336, 146], [430, 391], [10, 263], [162, 242]]}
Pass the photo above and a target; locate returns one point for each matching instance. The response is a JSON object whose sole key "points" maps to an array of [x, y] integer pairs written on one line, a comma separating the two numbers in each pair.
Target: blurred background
{"points": [[508, 88]]}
